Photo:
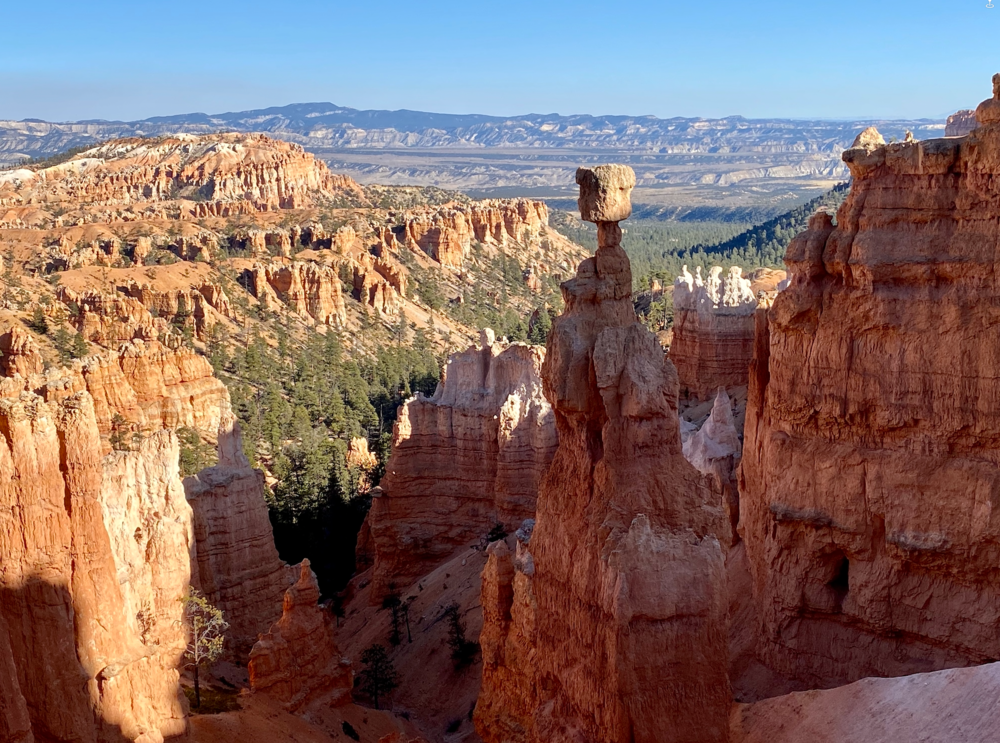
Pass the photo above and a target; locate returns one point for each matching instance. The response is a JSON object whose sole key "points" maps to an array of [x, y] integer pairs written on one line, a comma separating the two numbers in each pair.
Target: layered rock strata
{"points": [[138, 312], [95, 562], [19, 353], [297, 660], [464, 460], [149, 385], [960, 123], [871, 453], [223, 170], [446, 234], [611, 625], [713, 331]]}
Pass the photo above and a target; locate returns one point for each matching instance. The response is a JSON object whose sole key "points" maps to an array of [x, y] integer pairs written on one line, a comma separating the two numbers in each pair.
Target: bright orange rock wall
{"points": [[871, 456]]}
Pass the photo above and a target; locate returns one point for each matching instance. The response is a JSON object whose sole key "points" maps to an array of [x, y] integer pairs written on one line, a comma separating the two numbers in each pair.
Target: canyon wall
{"points": [[309, 289], [609, 621], [713, 331], [871, 455], [254, 169], [464, 460], [95, 562], [150, 386]]}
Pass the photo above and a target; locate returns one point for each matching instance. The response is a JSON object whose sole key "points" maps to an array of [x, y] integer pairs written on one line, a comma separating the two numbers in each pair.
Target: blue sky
{"points": [[116, 60]]}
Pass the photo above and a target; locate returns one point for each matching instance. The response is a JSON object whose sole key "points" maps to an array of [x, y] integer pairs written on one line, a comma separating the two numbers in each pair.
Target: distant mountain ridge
{"points": [[326, 125], [727, 165]]}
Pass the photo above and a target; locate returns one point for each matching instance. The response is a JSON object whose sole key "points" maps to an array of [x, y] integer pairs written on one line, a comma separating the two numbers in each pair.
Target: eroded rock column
{"points": [[618, 600]]}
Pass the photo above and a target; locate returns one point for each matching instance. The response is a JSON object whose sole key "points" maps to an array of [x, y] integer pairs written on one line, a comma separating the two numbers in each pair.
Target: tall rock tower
{"points": [[608, 624]]}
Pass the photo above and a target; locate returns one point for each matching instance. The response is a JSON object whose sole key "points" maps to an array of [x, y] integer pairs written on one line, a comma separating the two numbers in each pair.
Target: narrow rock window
{"points": [[840, 583]]}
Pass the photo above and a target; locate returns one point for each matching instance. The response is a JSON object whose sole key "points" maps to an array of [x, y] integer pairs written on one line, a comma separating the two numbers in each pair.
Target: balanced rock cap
{"points": [[604, 192]]}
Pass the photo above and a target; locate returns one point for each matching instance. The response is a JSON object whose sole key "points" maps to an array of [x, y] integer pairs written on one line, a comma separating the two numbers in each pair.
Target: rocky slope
{"points": [[609, 621], [189, 239], [713, 332], [957, 706], [870, 447], [223, 172], [463, 461]]}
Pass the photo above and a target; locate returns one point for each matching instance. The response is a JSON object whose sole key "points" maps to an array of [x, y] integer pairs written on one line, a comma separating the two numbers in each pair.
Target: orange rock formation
{"points": [[871, 448], [961, 123], [224, 171], [713, 331], [95, 561], [464, 460], [19, 353], [309, 289], [297, 660], [446, 234], [610, 624], [238, 568]]}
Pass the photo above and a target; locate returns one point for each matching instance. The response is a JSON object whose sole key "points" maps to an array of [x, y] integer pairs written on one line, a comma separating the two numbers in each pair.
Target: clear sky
{"points": [[67, 60]]}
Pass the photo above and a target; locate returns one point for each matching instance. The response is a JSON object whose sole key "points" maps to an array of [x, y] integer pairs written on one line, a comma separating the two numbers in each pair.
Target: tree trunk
{"points": [[197, 689]]}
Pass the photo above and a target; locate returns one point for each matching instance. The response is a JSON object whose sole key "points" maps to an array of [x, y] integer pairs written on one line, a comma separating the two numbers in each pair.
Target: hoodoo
{"points": [[870, 468], [468, 458], [610, 623]]}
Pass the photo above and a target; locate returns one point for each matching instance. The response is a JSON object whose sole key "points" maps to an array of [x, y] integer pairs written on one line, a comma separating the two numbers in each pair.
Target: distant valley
{"points": [[730, 168]]}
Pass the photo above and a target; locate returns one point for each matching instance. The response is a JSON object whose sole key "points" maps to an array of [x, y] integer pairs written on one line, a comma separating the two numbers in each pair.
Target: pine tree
{"points": [[379, 676]]}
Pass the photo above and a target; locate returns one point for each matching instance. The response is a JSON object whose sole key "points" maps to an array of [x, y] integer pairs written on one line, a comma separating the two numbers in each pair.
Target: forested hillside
{"points": [[659, 249]]}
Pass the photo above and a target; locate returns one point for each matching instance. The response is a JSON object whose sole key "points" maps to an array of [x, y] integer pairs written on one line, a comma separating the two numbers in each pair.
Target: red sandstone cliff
{"points": [[871, 450], [446, 234], [610, 625], [462, 461], [960, 123], [149, 385], [311, 290], [713, 331]]}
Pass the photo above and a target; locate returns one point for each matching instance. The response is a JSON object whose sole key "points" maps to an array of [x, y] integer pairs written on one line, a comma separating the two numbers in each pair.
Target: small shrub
{"points": [[496, 533], [349, 730]]}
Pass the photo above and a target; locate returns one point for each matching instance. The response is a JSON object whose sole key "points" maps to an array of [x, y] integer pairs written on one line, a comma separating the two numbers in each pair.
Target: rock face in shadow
{"points": [[713, 331], [610, 623], [237, 565], [95, 559], [871, 452], [468, 458], [715, 450], [297, 660]]}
